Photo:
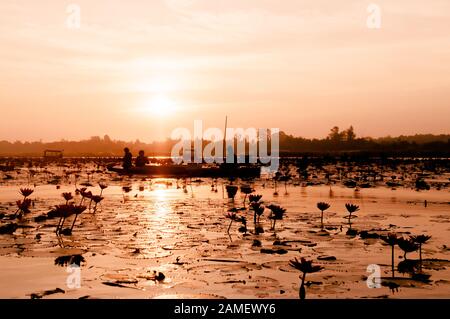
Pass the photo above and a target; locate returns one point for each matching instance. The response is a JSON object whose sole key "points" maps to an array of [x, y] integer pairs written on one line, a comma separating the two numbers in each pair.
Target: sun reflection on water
{"points": [[161, 204]]}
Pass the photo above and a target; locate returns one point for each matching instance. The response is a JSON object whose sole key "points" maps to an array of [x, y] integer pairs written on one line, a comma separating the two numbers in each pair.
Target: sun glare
{"points": [[161, 106]]}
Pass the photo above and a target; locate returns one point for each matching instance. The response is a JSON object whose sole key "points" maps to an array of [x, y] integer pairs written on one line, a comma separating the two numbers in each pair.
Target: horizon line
{"points": [[168, 138]]}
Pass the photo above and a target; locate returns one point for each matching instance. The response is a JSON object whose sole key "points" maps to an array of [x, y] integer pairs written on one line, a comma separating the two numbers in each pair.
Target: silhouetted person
{"points": [[141, 160], [127, 159]]}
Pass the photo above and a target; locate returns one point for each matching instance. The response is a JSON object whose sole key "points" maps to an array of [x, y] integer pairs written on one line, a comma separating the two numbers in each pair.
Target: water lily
{"points": [[253, 198], [407, 245], [322, 206], [88, 195], [243, 228], [23, 206], [351, 208], [391, 239], [306, 267], [285, 178], [26, 192], [63, 211], [258, 210], [420, 240], [96, 199], [231, 214], [246, 189], [275, 184], [83, 193], [102, 187], [231, 191], [277, 213], [67, 197], [77, 210]]}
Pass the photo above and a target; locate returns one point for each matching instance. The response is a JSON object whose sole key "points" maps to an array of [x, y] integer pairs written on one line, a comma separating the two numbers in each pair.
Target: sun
{"points": [[161, 105]]}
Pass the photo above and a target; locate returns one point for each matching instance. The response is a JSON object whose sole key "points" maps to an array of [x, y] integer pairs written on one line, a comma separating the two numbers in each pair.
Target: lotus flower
{"points": [[69, 260], [82, 192], [351, 208], [231, 191], [87, 194], [305, 266], [26, 192], [392, 240], [77, 210], [407, 245], [231, 214], [275, 184], [420, 240], [254, 198], [63, 211], [285, 178], [277, 213], [102, 187], [246, 190], [243, 228], [67, 197], [96, 199], [322, 206], [258, 209], [23, 206]]}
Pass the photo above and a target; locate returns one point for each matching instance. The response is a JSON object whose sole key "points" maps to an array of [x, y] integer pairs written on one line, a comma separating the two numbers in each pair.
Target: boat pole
{"points": [[224, 149], [225, 140]]}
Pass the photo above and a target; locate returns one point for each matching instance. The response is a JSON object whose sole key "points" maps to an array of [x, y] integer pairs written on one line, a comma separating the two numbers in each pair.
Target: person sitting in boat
{"points": [[127, 159], [141, 160]]}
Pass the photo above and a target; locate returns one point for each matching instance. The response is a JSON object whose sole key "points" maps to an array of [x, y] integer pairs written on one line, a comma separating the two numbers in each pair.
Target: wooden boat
{"points": [[191, 170]]}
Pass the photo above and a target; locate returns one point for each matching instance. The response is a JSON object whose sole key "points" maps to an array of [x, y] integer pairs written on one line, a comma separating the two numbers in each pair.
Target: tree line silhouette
{"points": [[337, 142]]}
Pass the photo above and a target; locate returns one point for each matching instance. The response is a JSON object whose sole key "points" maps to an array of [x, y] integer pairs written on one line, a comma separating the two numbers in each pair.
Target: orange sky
{"points": [[140, 69]]}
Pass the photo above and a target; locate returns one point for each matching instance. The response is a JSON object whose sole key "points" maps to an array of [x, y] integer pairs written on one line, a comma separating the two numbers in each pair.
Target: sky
{"points": [[139, 69]]}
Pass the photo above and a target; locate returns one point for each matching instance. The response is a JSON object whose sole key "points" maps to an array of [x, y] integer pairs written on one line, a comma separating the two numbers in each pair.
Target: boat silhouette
{"points": [[192, 170]]}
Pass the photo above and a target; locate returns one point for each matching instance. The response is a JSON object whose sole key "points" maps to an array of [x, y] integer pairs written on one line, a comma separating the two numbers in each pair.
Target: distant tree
{"points": [[435, 145], [107, 139], [349, 134], [335, 135]]}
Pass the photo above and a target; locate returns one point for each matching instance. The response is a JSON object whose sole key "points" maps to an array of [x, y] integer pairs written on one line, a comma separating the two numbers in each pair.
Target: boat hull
{"points": [[180, 171]]}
